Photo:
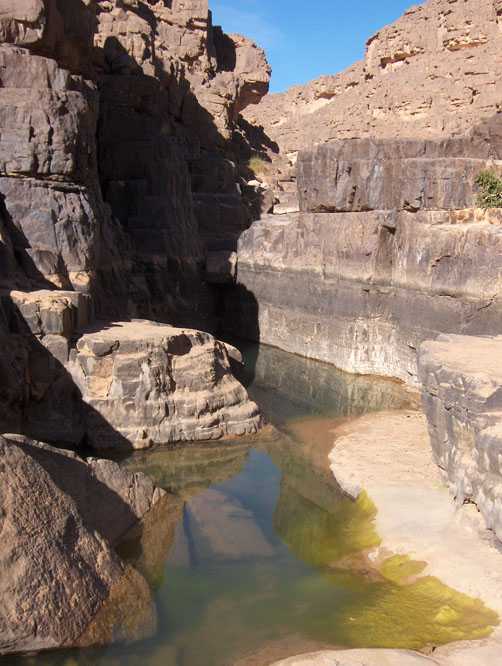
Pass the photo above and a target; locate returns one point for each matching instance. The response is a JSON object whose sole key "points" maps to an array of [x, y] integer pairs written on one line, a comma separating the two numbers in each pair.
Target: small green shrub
{"points": [[490, 190], [258, 165]]}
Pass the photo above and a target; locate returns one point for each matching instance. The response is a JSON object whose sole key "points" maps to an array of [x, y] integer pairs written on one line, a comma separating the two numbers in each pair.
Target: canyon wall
{"points": [[116, 121], [377, 257], [387, 248], [115, 116]]}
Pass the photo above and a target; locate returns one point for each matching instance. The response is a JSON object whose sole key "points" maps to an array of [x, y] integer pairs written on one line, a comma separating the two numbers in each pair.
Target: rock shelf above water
{"points": [[462, 398]]}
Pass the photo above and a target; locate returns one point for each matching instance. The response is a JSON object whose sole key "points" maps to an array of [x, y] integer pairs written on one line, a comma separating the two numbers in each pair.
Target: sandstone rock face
{"points": [[124, 385], [22, 21], [386, 251], [367, 175], [157, 384], [38, 329], [105, 108], [55, 551], [146, 79], [431, 74], [362, 290], [108, 110], [461, 394]]}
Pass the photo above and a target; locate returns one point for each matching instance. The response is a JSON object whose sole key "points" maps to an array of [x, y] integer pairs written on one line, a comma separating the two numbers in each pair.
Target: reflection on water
{"points": [[251, 556]]}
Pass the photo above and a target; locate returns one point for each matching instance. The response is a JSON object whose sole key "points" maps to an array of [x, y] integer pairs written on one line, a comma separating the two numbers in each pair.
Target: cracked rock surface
{"points": [[62, 583], [156, 384]]}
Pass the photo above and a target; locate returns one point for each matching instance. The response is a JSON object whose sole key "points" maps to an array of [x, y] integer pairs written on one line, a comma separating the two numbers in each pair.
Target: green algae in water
{"points": [[401, 569], [424, 613], [216, 606], [322, 537]]}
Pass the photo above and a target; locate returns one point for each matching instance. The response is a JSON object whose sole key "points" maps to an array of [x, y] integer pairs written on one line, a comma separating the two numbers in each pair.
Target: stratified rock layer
{"points": [[462, 398], [62, 584], [388, 249], [362, 290], [432, 74], [151, 383], [111, 114]]}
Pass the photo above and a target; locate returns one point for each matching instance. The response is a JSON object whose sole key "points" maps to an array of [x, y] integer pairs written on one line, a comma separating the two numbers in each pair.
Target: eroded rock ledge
{"points": [[121, 384], [155, 384], [462, 398], [363, 290]]}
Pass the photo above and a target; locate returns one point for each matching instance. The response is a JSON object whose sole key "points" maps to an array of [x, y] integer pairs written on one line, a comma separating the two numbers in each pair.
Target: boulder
{"points": [[62, 584], [148, 383]]}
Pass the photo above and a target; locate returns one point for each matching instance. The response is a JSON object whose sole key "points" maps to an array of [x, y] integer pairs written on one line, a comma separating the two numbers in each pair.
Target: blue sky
{"points": [[306, 39]]}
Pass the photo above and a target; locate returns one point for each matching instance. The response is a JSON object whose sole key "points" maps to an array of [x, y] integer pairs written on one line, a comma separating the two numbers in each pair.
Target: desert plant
{"points": [[258, 165], [490, 190]]}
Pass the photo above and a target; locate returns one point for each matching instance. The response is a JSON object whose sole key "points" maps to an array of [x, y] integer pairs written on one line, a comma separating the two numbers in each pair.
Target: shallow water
{"points": [[257, 555]]}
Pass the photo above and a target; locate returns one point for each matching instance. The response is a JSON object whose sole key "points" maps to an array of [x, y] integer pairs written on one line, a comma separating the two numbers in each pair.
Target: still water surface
{"points": [[256, 557]]}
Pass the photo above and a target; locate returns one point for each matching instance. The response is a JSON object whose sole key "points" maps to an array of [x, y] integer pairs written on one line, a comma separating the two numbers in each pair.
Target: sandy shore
{"points": [[389, 456]]}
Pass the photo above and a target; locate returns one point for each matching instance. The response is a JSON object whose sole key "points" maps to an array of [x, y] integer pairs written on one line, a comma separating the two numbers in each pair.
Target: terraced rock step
{"points": [[462, 398], [149, 383]]}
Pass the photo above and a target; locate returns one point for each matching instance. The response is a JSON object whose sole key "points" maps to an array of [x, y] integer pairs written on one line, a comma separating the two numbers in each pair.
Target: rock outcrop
{"points": [[116, 121], [113, 115], [388, 249], [62, 583], [432, 74], [148, 383], [462, 398], [156, 84], [362, 290]]}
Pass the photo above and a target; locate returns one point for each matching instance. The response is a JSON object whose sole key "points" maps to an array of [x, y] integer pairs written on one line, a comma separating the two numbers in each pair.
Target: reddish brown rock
{"points": [[58, 548]]}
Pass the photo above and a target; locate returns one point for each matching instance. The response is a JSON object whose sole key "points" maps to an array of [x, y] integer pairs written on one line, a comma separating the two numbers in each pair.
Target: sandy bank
{"points": [[389, 456]]}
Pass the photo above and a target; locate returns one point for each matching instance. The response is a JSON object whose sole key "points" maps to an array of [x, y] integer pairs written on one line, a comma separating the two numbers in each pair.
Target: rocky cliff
{"points": [[115, 125], [388, 248], [107, 108], [431, 74], [377, 258], [116, 119]]}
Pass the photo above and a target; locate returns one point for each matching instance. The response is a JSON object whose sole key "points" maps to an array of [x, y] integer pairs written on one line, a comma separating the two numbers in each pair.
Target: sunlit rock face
{"points": [[151, 383], [388, 248], [431, 74], [58, 547], [462, 393], [362, 290]]}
